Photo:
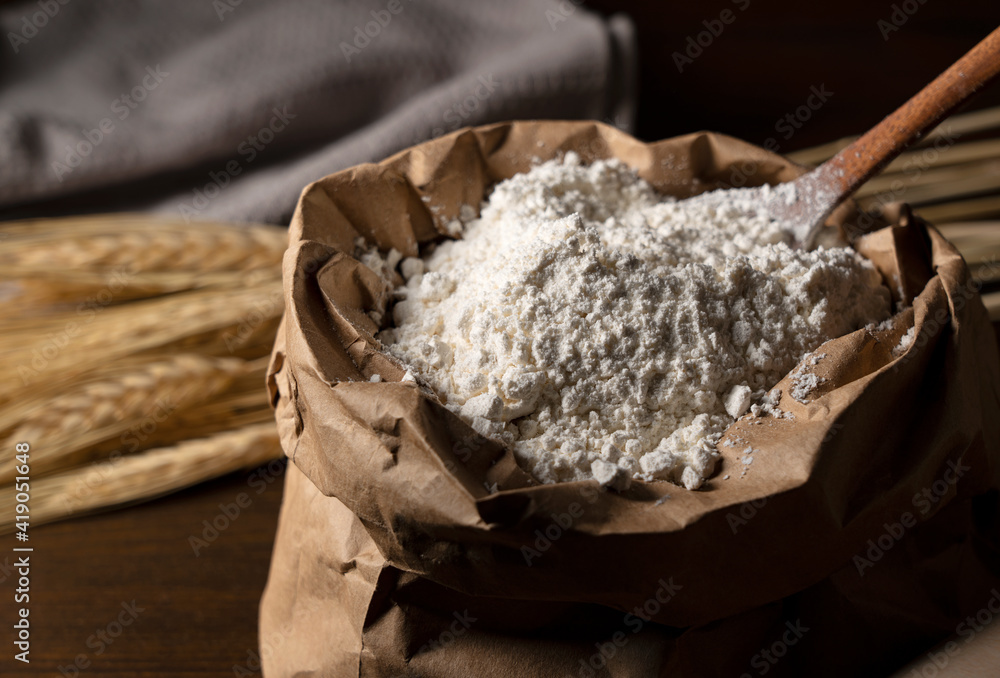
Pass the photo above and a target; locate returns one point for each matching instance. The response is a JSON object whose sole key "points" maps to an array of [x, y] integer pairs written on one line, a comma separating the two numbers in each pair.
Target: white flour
{"points": [[904, 343], [804, 381], [604, 331]]}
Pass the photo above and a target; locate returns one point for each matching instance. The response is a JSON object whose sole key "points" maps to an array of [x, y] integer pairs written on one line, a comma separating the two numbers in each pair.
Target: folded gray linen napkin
{"points": [[227, 109]]}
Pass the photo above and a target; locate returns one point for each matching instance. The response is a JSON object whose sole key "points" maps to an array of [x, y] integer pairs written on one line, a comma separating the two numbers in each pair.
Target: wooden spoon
{"points": [[819, 192]]}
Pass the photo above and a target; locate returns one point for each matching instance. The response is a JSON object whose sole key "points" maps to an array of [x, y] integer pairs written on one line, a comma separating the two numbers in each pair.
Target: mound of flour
{"points": [[604, 331]]}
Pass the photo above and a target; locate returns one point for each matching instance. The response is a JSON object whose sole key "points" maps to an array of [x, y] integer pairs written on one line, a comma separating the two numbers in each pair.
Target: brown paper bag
{"points": [[409, 545]]}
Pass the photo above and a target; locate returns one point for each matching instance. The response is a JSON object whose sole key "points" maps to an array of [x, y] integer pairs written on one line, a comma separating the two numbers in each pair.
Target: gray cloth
{"points": [[227, 109]]}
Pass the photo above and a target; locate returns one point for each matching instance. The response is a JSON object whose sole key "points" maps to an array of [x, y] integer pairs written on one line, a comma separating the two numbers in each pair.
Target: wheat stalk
{"points": [[961, 210], [956, 126], [143, 476], [58, 426], [32, 293], [62, 346], [992, 303], [243, 403], [937, 182], [110, 321], [922, 196], [978, 241], [139, 243]]}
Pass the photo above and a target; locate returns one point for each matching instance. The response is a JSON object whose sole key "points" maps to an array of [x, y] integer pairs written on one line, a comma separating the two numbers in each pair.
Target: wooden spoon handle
{"points": [[857, 163]]}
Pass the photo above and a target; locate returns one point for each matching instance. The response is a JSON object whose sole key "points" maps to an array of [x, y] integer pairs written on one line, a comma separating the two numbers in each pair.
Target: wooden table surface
{"points": [[181, 613]]}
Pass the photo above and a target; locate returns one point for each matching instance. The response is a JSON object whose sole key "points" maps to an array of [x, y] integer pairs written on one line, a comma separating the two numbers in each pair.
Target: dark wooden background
{"points": [[761, 67], [199, 612]]}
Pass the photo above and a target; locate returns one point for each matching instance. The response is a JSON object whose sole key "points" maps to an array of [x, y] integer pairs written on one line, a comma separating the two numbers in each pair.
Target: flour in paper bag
{"points": [[602, 330]]}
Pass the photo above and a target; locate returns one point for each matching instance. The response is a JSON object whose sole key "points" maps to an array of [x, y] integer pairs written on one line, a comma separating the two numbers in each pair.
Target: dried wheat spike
{"points": [[143, 476], [70, 421], [138, 243]]}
